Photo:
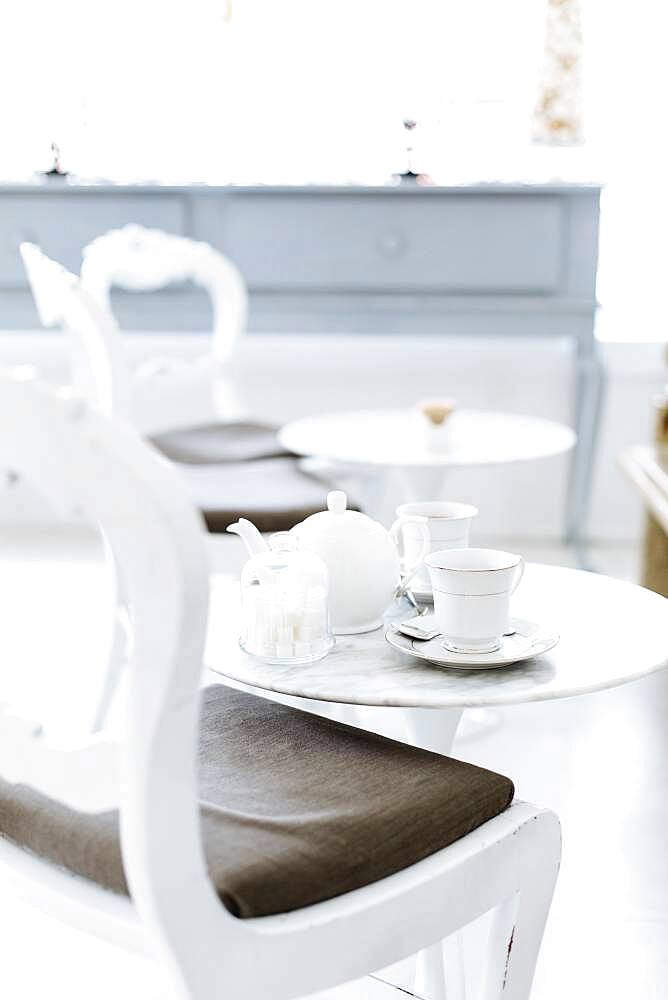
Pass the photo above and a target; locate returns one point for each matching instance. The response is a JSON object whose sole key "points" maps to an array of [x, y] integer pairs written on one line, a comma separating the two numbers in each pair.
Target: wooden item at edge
{"points": [[655, 557], [655, 545]]}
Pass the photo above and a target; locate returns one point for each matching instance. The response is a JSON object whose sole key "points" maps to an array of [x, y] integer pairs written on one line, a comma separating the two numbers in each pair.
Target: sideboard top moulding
{"points": [[52, 187]]}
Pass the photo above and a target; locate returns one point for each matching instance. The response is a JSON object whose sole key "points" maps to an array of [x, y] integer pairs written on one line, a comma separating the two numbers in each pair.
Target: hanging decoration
{"points": [[557, 118]]}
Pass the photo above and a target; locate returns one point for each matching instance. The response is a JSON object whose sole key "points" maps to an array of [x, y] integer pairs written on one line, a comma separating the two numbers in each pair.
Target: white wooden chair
{"points": [[508, 864], [233, 469], [140, 259]]}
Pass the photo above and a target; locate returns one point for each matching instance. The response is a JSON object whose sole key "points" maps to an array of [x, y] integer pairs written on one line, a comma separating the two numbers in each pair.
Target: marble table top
{"points": [[398, 438], [611, 632]]}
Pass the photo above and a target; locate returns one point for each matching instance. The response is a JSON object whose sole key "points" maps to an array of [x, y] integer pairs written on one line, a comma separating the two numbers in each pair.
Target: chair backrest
{"points": [[99, 369], [81, 460], [141, 259]]}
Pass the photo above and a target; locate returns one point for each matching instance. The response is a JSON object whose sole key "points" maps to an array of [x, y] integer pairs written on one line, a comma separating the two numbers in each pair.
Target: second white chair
{"points": [[232, 469]]}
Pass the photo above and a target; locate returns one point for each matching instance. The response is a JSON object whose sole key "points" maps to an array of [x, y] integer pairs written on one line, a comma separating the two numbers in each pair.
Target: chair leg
{"points": [[439, 973], [519, 922], [501, 943]]}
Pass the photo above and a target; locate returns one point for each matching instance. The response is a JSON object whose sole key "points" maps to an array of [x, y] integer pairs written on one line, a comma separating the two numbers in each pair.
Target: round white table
{"points": [[611, 632], [377, 445]]}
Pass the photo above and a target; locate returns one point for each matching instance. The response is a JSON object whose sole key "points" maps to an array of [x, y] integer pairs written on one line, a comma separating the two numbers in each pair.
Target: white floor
{"points": [[599, 761]]}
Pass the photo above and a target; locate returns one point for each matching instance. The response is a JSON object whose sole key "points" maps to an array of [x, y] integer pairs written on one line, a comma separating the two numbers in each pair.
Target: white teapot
{"points": [[363, 562]]}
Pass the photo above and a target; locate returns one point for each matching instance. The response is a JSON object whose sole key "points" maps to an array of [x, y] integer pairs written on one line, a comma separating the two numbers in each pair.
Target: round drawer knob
{"points": [[392, 244]]}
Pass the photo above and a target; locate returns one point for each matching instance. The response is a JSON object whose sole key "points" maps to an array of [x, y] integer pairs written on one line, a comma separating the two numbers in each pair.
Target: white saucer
{"points": [[529, 640]]}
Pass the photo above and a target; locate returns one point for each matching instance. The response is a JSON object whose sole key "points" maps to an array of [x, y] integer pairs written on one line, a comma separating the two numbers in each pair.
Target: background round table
{"points": [[396, 437], [376, 445], [611, 632]]}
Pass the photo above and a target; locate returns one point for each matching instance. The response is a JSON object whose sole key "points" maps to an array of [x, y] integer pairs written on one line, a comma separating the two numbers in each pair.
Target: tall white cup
{"points": [[448, 525], [472, 589]]}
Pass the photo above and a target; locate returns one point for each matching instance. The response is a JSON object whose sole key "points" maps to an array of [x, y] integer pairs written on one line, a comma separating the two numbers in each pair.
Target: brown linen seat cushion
{"points": [[211, 444], [273, 493], [295, 808]]}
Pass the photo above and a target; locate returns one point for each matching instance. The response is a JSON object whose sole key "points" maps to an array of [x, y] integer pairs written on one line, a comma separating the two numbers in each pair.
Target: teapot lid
{"points": [[337, 518], [337, 502]]}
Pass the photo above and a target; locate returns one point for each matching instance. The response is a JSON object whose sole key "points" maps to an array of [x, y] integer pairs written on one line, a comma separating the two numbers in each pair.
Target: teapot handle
{"points": [[408, 572]]}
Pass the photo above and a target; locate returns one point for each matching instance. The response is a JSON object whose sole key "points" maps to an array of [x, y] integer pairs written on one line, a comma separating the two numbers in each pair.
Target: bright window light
{"points": [[301, 91]]}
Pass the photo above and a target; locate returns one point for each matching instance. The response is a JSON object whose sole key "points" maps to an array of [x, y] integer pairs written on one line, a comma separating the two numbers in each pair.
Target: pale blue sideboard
{"points": [[492, 259]]}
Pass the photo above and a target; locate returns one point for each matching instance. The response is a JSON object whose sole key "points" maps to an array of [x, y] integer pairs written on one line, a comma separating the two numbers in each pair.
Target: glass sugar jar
{"points": [[284, 604]]}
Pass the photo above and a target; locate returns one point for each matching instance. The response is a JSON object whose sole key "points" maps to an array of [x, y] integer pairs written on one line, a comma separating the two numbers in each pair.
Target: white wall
{"points": [[281, 377], [636, 373]]}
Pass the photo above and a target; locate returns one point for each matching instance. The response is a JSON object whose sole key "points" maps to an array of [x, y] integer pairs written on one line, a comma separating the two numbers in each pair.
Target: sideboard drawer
{"points": [[447, 243], [62, 224]]}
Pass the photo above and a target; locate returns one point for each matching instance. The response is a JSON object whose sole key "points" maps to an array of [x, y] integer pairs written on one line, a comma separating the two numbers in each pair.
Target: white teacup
{"points": [[448, 525], [472, 589]]}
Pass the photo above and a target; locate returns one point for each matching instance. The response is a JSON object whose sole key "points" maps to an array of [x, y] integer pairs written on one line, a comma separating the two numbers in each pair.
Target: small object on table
{"points": [[437, 411], [408, 594], [436, 414], [415, 629], [472, 590], [448, 525], [362, 560], [284, 600], [524, 640], [426, 628]]}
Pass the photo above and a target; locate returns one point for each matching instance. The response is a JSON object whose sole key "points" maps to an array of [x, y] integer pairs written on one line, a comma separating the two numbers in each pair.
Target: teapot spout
{"points": [[249, 535]]}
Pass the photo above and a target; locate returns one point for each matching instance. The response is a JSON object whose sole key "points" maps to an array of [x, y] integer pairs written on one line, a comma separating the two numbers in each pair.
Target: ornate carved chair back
{"points": [[81, 461], [143, 259]]}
